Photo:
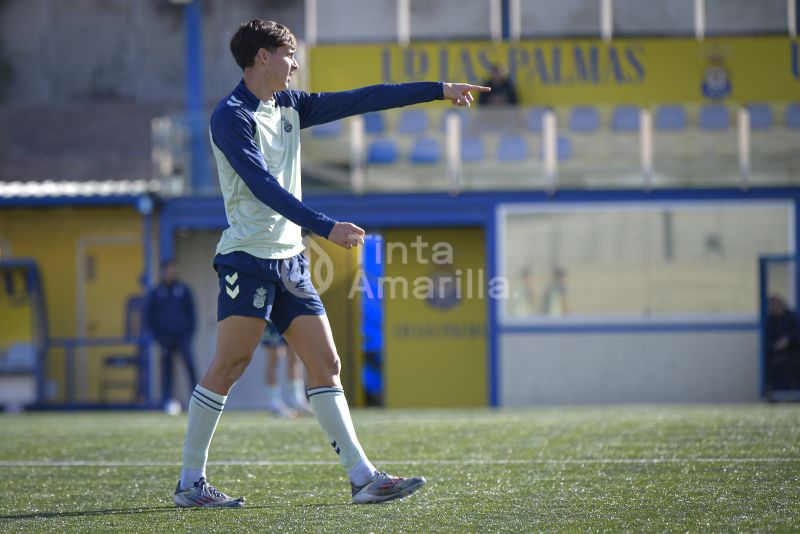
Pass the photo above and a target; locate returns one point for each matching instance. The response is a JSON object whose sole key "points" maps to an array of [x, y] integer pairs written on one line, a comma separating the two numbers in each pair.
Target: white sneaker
{"points": [[303, 409], [281, 410], [173, 407], [385, 487], [204, 495]]}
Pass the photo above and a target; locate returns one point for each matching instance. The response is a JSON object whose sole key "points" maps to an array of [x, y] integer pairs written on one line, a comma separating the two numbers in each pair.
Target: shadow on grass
{"points": [[89, 513], [155, 510]]}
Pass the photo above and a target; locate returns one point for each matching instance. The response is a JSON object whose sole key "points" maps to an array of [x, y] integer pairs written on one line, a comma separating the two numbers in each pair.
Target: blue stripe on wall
{"points": [[628, 328]]}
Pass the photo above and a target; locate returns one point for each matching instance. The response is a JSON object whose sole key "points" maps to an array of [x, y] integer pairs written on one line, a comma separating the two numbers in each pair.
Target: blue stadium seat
{"points": [[20, 358], [512, 148], [625, 119], [329, 129], [465, 117], [793, 115], [563, 148], [472, 149], [413, 122], [535, 118], [760, 116], [426, 151], [382, 152], [584, 119], [671, 117], [374, 123], [713, 117]]}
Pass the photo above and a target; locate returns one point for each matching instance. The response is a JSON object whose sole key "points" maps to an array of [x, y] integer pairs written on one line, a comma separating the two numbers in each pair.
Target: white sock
{"points": [[274, 399], [205, 407], [330, 408]]}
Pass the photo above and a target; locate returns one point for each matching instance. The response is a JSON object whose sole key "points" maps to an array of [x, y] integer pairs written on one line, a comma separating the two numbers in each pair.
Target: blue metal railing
{"points": [[70, 346]]}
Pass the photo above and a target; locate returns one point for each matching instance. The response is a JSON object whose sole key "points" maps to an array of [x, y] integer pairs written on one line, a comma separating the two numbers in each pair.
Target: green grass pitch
{"points": [[628, 468]]}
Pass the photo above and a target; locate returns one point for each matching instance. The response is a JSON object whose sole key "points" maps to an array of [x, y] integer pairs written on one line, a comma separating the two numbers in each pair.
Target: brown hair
{"points": [[256, 34]]}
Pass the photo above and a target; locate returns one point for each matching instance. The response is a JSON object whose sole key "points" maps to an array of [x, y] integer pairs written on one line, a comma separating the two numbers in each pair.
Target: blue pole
{"points": [[762, 316], [506, 18], [493, 364], [796, 252], [143, 390], [195, 112], [145, 206], [43, 334]]}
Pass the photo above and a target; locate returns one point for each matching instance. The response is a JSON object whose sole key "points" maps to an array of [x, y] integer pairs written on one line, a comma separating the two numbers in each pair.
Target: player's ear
{"points": [[262, 56]]}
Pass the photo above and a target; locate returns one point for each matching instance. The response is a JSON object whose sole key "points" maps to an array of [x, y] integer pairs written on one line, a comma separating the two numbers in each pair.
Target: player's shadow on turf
{"points": [[147, 510], [114, 511]]}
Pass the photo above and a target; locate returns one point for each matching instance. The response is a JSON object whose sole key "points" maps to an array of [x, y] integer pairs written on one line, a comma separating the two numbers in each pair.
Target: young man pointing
{"points": [[255, 135]]}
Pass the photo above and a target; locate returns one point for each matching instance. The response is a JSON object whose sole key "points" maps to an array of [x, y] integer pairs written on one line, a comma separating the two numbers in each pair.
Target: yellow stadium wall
{"points": [[110, 243], [16, 324], [575, 71], [435, 349]]}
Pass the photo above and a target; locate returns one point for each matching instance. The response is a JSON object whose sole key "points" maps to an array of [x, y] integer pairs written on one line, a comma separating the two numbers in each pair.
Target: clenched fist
{"points": [[346, 235]]}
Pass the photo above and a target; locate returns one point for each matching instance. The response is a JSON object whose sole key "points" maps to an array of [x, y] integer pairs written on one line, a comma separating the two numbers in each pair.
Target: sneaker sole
{"points": [[374, 499], [238, 503]]}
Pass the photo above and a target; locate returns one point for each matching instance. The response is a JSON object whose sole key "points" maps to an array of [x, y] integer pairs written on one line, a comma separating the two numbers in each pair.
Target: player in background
{"points": [[255, 136], [292, 387], [170, 317]]}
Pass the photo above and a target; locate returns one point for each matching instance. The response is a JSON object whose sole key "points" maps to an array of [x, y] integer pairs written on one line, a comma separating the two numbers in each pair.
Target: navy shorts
{"points": [[276, 290]]}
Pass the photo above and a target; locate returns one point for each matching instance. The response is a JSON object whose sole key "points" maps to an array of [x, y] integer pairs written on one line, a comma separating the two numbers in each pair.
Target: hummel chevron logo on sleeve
{"points": [[234, 102]]}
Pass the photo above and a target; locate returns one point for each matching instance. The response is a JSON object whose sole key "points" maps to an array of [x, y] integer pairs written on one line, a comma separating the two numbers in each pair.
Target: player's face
{"points": [[281, 66]]}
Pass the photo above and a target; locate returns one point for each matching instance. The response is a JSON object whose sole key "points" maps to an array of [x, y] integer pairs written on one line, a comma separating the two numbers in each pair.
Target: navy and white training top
{"points": [[257, 147]]}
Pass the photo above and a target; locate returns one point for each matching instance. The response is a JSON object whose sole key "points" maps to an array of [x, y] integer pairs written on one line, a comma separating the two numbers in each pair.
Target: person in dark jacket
{"points": [[783, 346], [171, 320], [503, 91]]}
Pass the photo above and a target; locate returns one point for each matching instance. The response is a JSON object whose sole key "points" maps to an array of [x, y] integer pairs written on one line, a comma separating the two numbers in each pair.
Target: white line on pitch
{"points": [[568, 461]]}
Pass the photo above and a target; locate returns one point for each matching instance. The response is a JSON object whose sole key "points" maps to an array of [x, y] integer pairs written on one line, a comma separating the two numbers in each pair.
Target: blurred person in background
{"points": [[783, 346], [555, 296], [293, 385], [170, 316], [503, 91], [263, 273], [523, 298], [497, 112]]}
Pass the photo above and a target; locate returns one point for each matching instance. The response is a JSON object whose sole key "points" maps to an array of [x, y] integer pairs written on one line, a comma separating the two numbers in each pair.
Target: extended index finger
{"points": [[479, 88]]}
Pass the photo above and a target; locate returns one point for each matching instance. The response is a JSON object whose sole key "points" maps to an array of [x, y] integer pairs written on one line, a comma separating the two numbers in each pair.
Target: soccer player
{"points": [[277, 351], [255, 136]]}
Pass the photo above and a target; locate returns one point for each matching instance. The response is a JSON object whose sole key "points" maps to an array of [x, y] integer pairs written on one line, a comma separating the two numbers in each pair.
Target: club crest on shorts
{"points": [[260, 298]]}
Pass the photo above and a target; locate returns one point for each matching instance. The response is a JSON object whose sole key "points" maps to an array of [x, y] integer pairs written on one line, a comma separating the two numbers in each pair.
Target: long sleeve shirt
{"points": [[256, 145]]}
